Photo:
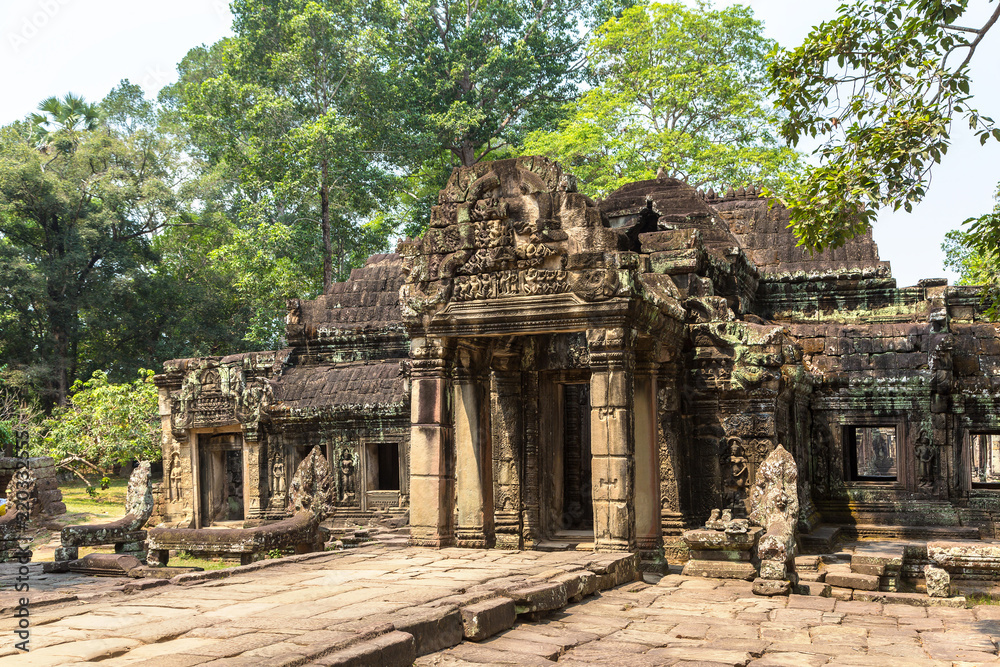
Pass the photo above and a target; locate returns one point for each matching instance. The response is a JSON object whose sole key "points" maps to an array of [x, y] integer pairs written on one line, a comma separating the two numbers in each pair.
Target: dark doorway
{"points": [[221, 478], [578, 506], [388, 466]]}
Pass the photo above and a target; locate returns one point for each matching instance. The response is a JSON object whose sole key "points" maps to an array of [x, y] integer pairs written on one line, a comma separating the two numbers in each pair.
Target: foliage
{"points": [[59, 126], [289, 110], [975, 254], [74, 223], [105, 423], [482, 74], [676, 87], [879, 86]]}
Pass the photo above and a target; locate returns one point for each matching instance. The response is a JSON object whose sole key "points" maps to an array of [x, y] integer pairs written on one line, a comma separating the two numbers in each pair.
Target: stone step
{"points": [[924, 533], [822, 540]]}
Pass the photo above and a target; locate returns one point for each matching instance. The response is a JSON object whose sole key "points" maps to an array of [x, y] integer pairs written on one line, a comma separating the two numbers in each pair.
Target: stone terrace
{"points": [[337, 608]]}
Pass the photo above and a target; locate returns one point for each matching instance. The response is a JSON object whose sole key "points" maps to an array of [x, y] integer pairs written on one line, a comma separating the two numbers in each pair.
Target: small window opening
{"points": [[985, 459], [872, 453]]}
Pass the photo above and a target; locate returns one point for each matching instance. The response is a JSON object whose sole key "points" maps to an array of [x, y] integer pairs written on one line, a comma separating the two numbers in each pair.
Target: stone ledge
{"points": [[912, 599]]}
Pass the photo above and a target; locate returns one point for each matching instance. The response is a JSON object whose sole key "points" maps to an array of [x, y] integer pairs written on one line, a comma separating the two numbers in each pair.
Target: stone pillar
{"points": [[507, 428], [647, 460], [432, 482], [253, 494], [473, 458], [612, 438]]}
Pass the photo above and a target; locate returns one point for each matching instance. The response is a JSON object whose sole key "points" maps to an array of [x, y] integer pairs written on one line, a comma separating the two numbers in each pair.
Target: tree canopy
{"points": [[78, 209], [879, 87], [675, 87]]}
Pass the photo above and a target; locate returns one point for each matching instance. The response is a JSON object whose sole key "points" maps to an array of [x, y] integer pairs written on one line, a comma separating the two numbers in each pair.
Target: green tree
{"points": [[679, 88], [291, 109], [975, 254], [105, 424], [879, 86], [61, 122], [73, 223], [481, 74]]}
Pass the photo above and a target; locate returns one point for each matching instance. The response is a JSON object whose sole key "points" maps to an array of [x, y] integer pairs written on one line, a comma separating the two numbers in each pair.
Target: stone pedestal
{"points": [[717, 554]]}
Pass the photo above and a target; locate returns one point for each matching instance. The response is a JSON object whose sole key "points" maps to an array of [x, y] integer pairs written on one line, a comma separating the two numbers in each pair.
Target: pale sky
{"points": [[51, 47]]}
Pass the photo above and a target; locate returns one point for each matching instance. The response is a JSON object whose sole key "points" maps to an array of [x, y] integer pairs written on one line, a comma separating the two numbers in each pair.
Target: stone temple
{"points": [[542, 369]]}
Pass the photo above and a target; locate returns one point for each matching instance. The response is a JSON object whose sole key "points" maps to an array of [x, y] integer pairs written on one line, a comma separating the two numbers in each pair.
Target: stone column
{"points": [[432, 481], [647, 460], [612, 438], [473, 458], [253, 507], [507, 429]]}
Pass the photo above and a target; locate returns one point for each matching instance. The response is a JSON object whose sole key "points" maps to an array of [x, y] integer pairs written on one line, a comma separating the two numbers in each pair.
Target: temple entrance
{"points": [[221, 477], [577, 502]]}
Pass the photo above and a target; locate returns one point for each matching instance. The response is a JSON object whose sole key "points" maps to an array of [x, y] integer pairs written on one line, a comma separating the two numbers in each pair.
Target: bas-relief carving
{"points": [[347, 484], [925, 454]]}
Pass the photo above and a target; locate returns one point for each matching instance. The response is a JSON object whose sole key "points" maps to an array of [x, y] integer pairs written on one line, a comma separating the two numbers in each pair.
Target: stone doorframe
{"points": [[194, 447], [467, 461]]}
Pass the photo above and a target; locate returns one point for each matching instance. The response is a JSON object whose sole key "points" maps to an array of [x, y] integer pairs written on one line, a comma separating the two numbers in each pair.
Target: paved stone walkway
{"points": [[292, 611], [687, 621], [318, 608]]}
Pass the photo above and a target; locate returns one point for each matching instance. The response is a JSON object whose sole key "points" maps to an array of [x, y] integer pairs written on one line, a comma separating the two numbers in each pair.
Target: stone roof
{"points": [[371, 385], [763, 233], [677, 206], [368, 300]]}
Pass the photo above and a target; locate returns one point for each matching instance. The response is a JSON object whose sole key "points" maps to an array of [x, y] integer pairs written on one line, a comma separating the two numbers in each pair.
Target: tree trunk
{"points": [[324, 198], [467, 153]]}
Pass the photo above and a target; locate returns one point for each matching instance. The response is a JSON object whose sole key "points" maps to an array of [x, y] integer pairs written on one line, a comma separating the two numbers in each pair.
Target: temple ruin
{"points": [[540, 369]]}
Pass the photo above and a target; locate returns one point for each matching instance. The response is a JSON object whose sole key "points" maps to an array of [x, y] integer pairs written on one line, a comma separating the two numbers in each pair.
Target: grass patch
{"points": [[108, 502], [977, 599], [187, 560]]}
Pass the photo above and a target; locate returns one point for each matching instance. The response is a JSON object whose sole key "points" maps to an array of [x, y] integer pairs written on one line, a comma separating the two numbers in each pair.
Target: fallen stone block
{"points": [[962, 557], [938, 581], [432, 629], [144, 584], [487, 618], [717, 569], [393, 649], [862, 582], [543, 597], [105, 565], [578, 584]]}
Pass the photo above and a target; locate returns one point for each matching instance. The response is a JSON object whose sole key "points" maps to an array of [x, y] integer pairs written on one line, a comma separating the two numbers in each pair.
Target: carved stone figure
{"points": [[774, 506], [176, 476], [925, 454], [348, 490], [312, 486], [278, 478]]}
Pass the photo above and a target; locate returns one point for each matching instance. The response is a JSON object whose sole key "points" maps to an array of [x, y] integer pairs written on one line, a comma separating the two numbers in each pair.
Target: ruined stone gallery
{"points": [[541, 369]]}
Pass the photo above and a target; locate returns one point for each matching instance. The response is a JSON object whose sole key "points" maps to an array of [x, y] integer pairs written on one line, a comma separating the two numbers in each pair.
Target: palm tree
{"points": [[61, 122]]}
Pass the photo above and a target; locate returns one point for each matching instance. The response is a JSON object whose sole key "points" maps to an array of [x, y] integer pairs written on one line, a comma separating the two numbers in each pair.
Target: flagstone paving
{"points": [[376, 605], [291, 611], [685, 621]]}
